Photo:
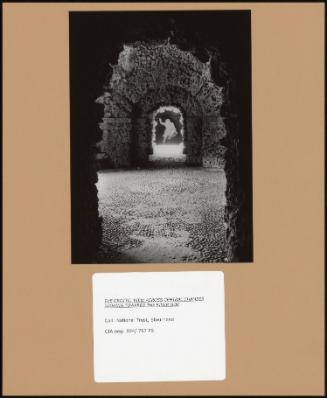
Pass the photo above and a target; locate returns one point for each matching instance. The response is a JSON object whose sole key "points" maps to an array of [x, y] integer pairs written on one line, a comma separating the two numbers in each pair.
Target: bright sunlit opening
{"points": [[168, 133]]}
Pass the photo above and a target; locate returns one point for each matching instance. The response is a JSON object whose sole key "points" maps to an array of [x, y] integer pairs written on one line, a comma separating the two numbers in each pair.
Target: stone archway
{"points": [[149, 75], [167, 96], [145, 77]]}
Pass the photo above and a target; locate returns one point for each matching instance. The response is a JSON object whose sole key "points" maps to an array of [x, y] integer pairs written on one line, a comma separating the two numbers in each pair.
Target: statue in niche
{"points": [[170, 130]]}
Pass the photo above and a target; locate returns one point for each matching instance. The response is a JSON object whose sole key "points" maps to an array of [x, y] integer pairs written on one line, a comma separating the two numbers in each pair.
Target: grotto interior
{"points": [[161, 99], [146, 77]]}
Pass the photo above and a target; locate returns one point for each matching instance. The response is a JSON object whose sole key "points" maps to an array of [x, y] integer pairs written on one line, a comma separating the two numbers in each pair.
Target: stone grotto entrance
{"points": [[123, 203], [146, 77], [161, 184]]}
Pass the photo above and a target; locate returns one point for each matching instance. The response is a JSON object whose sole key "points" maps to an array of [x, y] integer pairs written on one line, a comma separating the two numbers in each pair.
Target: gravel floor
{"points": [[162, 215]]}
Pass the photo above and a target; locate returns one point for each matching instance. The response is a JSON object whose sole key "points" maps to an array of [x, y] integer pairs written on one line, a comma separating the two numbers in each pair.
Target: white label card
{"points": [[159, 326]]}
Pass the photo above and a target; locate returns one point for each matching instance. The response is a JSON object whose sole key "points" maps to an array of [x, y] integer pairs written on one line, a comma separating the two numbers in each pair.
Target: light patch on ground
{"points": [[162, 215]]}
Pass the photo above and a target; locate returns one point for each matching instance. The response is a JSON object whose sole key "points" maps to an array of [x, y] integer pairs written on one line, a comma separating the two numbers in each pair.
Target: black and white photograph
{"points": [[161, 137]]}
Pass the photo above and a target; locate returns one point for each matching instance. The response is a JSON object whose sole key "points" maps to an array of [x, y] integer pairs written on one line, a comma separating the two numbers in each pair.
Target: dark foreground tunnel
{"points": [[200, 81]]}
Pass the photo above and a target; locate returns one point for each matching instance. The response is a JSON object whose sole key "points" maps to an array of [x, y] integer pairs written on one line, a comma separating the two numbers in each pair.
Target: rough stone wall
{"points": [[214, 131], [193, 141], [85, 218], [171, 95], [141, 141], [116, 141], [238, 212], [143, 67], [233, 193], [147, 76]]}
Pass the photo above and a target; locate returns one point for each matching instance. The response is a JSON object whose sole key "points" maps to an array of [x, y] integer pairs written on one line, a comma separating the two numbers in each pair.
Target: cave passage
{"points": [[164, 92], [161, 185]]}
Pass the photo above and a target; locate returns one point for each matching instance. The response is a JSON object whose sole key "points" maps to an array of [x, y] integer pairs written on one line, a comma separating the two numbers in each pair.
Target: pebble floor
{"points": [[169, 215]]}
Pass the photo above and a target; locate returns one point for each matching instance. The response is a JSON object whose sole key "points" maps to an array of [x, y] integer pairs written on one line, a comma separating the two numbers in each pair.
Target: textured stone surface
{"points": [[229, 71], [162, 215], [147, 76]]}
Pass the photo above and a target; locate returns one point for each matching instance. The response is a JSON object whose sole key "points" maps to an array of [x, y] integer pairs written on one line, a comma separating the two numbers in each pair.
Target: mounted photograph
{"points": [[161, 137]]}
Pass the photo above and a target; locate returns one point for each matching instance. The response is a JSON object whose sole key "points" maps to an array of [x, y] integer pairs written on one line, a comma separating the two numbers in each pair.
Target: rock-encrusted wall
{"points": [[233, 220], [193, 141], [141, 137], [213, 132], [151, 75], [238, 212], [85, 217], [116, 148], [145, 77]]}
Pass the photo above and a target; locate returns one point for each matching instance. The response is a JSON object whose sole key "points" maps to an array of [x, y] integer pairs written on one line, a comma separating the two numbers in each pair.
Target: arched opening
{"points": [[139, 73], [167, 135], [162, 131]]}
